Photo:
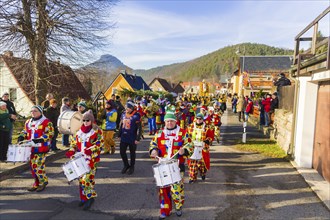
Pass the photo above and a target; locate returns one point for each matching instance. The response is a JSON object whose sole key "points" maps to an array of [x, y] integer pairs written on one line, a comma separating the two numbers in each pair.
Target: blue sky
{"points": [[155, 33]]}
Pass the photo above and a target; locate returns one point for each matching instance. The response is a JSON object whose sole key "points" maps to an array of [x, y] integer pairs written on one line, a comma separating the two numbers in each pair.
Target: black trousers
{"points": [[4, 142], [241, 116], [123, 154]]}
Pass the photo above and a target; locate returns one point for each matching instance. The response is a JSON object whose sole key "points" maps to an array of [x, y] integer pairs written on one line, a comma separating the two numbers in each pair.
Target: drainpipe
{"points": [[294, 118]]}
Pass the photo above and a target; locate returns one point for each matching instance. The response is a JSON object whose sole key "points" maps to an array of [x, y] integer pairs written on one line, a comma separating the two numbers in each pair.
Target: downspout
{"points": [[294, 115]]}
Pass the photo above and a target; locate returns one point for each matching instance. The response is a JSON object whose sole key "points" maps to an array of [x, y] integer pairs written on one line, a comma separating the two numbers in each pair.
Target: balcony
{"points": [[317, 57]]}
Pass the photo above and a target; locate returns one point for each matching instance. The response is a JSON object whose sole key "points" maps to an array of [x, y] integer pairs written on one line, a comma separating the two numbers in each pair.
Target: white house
{"points": [[9, 83], [312, 108], [16, 78]]}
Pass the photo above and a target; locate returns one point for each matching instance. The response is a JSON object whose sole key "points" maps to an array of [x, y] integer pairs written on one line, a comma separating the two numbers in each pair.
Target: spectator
{"points": [[120, 110], [5, 126], [74, 107], [52, 113], [240, 108], [261, 111], [230, 100], [234, 103], [12, 111], [45, 104], [113, 97], [246, 100], [266, 103], [273, 104], [223, 103], [282, 81], [82, 107], [249, 109], [65, 107]]}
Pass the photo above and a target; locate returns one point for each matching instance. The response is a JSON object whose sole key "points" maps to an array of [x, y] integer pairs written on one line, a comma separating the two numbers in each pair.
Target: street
{"points": [[239, 185]]}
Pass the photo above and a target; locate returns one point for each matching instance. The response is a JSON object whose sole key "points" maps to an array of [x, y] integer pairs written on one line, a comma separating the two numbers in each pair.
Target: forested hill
{"points": [[214, 66]]}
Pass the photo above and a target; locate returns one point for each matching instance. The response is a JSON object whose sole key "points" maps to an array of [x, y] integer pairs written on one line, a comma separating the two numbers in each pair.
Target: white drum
{"points": [[167, 173], [76, 167], [18, 153], [198, 148], [69, 122]]}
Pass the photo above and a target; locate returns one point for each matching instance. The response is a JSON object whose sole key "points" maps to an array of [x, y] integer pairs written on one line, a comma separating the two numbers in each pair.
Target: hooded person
{"points": [[40, 130], [109, 119], [88, 141]]}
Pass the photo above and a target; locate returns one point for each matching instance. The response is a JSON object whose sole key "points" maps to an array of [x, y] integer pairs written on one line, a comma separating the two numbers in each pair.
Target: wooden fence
{"points": [[286, 98]]}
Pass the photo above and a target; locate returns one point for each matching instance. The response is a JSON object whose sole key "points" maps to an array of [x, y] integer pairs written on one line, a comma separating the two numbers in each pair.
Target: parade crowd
{"points": [[182, 130]]}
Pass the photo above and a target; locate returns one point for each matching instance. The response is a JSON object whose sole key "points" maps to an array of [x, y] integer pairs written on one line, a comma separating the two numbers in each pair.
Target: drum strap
{"points": [[197, 133], [170, 136], [84, 137], [33, 125]]}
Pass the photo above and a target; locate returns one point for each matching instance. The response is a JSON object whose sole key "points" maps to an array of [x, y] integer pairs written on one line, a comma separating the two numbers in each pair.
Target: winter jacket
{"points": [[5, 123], [274, 104], [266, 103], [110, 118], [249, 108], [283, 81]]}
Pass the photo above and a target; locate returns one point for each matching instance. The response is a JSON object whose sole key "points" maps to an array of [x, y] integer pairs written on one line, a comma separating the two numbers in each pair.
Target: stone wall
{"points": [[282, 128], [280, 131]]}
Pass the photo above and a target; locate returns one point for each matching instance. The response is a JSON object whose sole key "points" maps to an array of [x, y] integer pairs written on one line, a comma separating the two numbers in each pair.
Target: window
{"points": [[13, 94], [114, 91]]}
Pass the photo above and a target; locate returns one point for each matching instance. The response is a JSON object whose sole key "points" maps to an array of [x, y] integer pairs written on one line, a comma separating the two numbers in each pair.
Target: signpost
{"points": [[244, 132]]}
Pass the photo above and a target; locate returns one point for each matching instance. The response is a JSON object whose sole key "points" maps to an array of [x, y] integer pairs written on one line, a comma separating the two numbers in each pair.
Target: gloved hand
{"points": [[38, 140], [20, 139], [207, 142], [69, 154]]}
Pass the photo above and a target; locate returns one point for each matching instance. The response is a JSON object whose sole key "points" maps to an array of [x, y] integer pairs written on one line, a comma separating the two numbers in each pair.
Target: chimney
{"points": [[8, 53]]}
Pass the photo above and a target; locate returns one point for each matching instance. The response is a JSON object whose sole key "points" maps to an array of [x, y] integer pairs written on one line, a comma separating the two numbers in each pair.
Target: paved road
{"points": [[239, 185]]}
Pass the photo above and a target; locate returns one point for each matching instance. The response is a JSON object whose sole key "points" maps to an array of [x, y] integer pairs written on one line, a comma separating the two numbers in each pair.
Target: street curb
{"points": [[25, 166], [316, 182]]}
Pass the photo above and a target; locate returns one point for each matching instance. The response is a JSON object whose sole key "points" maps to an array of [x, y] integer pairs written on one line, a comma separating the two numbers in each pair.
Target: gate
{"points": [[321, 150]]}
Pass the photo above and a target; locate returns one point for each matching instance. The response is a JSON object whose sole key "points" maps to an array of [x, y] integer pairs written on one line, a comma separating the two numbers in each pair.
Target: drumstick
{"points": [[28, 143], [159, 158]]}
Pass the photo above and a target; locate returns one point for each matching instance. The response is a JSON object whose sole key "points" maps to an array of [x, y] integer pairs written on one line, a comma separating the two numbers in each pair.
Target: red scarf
{"points": [[86, 129]]}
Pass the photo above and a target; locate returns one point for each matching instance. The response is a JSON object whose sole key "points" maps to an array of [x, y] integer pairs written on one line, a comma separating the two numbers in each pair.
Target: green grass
{"points": [[266, 147]]}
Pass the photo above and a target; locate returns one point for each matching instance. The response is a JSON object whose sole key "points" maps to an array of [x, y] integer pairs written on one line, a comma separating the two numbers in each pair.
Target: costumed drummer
{"points": [[166, 143], [201, 135], [88, 140], [40, 130]]}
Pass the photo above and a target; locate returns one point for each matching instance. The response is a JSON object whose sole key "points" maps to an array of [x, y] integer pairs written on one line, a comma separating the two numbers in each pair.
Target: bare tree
{"points": [[44, 30]]}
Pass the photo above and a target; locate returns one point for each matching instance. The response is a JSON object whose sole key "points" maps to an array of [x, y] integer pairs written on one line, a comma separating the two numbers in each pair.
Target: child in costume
{"points": [[88, 140]]}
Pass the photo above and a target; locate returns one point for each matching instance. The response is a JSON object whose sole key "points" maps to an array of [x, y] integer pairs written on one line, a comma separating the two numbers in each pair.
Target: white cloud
{"points": [[147, 37]]}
